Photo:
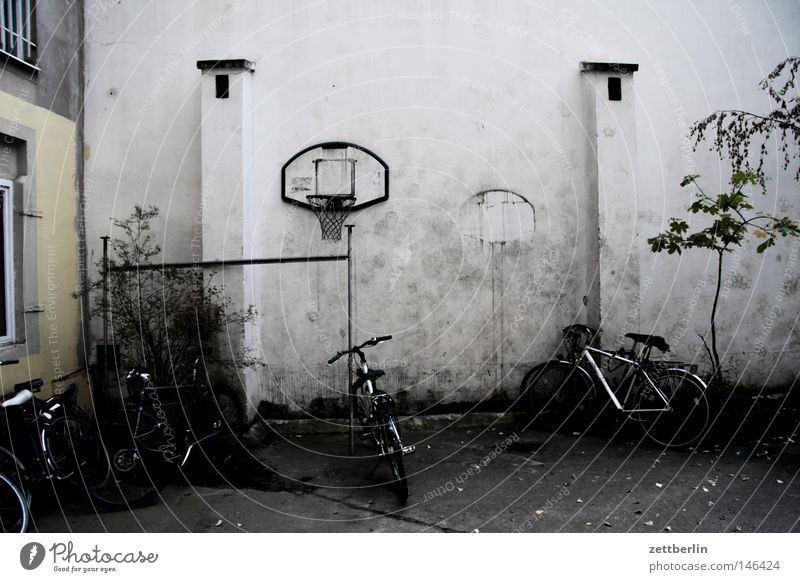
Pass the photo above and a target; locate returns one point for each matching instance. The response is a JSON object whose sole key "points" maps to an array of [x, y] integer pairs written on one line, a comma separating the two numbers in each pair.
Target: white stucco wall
{"points": [[458, 98]]}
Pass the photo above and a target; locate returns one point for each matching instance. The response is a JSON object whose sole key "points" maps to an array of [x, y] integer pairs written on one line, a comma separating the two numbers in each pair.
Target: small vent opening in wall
{"points": [[223, 86], [614, 89]]}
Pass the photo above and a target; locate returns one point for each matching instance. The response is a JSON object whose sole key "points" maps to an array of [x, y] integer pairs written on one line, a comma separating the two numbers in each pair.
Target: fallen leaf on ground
{"points": [[219, 523], [648, 523], [659, 485]]}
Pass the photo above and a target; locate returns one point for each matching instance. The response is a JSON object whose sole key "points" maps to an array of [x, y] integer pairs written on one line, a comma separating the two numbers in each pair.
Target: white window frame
{"points": [[18, 30], [7, 192]]}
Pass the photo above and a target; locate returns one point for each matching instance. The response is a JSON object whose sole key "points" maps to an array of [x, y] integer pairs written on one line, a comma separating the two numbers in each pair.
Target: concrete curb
{"points": [[266, 427]]}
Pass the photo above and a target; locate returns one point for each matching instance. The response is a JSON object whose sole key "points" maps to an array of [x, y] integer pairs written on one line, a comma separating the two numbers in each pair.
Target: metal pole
{"points": [[350, 330], [230, 263], [105, 318]]}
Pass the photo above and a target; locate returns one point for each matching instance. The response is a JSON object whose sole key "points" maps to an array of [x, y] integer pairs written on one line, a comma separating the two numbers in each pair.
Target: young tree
{"points": [[742, 135], [733, 219], [164, 318]]}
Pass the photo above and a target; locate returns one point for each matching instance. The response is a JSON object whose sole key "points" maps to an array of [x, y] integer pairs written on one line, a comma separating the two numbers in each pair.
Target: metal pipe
{"points": [[105, 318], [350, 331], [230, 263]]}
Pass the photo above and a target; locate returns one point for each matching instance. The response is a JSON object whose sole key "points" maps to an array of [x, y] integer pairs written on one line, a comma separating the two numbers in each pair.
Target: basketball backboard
{"points": [[335, 169]]}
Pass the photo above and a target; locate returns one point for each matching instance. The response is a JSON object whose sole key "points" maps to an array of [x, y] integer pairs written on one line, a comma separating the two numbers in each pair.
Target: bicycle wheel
{"points": [[688, 420], [136, 475], [74, 450], [561, 395], [228, 408], [12, 467], [14, 513], [394, 450]]}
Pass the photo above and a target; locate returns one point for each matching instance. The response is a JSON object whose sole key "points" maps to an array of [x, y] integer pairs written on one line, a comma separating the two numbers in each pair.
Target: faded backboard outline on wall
{"points": [[498, 216], [335, 168]]}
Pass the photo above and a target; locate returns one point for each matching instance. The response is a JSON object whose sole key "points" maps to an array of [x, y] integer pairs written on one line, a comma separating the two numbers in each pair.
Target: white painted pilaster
{"points": [[616, 283]]}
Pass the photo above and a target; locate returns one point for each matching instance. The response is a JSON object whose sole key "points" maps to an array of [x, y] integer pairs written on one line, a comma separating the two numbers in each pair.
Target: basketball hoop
{"points": [[332, 211]]}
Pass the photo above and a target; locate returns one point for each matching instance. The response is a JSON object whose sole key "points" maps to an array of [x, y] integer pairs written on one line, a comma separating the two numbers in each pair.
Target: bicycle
{"points": [[157, 431], [668, 401], [48, 442], [377, 414]]}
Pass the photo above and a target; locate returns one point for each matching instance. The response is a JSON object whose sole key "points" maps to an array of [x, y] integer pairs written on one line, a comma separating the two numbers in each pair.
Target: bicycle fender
{"points": [[694, 377]]}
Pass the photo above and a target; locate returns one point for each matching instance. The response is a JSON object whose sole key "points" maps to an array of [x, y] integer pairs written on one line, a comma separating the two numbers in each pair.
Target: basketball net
{"points": [[331, 211]]}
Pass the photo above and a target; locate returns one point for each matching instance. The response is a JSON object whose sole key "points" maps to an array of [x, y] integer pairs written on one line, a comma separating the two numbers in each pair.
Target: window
{"points": [[6, 263], [18, 30]]}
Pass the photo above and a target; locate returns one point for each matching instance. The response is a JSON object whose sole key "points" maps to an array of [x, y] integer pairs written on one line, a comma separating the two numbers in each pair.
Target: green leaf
{"points": [[689, 179], [740, 179], [765, 245]]}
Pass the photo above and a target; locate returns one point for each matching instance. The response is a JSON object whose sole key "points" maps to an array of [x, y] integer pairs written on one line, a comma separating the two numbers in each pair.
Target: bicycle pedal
{"points": [[409, 449]]}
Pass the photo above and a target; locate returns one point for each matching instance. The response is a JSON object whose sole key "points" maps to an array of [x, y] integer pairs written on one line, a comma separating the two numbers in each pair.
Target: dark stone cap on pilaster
{"points": [[618, 68], [226, 64]]}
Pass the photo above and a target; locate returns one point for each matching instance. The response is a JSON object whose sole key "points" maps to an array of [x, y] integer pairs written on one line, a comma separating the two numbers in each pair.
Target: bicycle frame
{"points": [[632, 366], [363, 384]]}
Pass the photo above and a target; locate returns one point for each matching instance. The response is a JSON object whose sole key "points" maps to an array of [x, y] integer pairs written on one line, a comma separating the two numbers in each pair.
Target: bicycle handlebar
{"points": [[373, 341]]}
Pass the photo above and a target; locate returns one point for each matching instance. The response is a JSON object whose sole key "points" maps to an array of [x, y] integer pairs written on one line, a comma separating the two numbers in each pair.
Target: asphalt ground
{"points": [[497, 478]]}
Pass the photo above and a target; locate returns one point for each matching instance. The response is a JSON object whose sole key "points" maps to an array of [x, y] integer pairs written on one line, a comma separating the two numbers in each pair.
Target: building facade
{"points": [[532, 149], [40, 181]]}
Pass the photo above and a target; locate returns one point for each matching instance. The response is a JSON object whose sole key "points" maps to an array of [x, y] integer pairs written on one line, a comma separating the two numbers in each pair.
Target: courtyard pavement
{"points": [[501, 478]]}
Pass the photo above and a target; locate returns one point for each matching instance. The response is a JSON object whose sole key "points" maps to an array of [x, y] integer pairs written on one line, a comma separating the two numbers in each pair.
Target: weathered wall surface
{"points": [[458, 98]]}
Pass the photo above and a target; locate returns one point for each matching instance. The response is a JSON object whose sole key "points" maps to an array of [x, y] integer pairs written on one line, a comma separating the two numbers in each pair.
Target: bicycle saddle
{"points": [[33, 385], [21, 398], [655, 341]]}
